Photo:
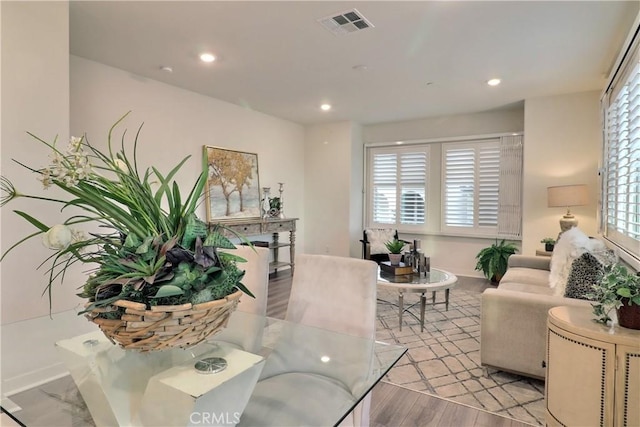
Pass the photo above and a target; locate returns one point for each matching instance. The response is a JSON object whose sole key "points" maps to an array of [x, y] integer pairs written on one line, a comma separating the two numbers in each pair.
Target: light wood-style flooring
{"points": [[395, 406]]}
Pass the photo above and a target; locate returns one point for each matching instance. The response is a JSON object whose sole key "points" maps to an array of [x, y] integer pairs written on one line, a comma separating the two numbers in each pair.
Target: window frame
{"points": [[369, 212], [627, 66], [509, 226]]}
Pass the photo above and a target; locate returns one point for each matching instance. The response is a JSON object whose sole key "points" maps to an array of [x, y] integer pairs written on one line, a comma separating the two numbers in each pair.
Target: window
{"points": [[398, 186], [621, 177], [471, 186]]}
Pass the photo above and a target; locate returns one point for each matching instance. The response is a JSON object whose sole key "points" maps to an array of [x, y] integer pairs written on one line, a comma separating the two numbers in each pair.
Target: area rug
{"points": [[444, 360]]}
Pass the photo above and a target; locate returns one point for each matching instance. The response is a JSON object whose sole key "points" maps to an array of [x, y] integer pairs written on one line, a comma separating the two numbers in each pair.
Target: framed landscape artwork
{"points": [[233, 188]]}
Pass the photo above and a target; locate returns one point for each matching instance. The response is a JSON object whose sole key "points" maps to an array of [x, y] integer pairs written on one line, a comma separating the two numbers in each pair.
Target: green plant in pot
{"points": [[492, 261], [619, 288], [549, 243], [144, 247], [395, 251]]}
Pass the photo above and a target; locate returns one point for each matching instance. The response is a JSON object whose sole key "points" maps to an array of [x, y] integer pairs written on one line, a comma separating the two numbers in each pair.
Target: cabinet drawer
{"points": [[244, 229], [275, 227]]}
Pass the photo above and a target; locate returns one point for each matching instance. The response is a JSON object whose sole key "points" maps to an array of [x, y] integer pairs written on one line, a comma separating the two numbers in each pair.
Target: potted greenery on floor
{"points": [[492, 261]]}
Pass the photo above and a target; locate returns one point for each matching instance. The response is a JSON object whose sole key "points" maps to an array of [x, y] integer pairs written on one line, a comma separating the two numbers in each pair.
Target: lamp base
{"points": [[567, 222]]}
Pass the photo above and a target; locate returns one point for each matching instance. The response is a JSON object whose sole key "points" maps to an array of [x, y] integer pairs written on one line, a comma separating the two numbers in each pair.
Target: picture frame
{"points": [[232, 190]]}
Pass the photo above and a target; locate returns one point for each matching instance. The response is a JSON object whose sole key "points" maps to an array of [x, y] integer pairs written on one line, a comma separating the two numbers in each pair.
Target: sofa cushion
{"points": [[528, 276], [527, 288]]}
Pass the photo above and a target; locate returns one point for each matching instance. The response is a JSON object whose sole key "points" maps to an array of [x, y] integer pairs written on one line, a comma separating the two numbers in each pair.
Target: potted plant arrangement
{"points": [[620, 289], [492, 261], [549, 243], [395, 251], [151, 259]]}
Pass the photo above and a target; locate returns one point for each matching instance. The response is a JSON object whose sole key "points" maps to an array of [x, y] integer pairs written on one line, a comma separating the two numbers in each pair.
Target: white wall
{"points": [[328, 188], [35, 98], [440, 248], [509, 120], [562, 146], [178, 123], [356, 192], [38, 96]]}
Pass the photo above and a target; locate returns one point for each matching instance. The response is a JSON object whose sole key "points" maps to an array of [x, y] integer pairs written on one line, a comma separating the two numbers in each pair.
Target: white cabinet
{"points": [[593, 371]]}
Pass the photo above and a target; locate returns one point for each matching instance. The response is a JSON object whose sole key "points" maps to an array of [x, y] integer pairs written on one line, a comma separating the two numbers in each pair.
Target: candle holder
{"points": [[281, 190]]}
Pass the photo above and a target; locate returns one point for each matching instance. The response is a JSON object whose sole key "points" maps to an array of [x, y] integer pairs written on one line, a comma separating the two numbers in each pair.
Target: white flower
{"points": [[120, 164], [58, 237]]}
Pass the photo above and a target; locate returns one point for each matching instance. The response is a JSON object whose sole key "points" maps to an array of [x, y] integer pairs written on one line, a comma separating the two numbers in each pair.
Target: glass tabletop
{"points": [[305, 376], [435, 276]]}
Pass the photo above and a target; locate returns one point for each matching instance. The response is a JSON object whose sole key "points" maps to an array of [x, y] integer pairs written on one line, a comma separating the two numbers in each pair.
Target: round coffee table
{"points": [[435, 280]]}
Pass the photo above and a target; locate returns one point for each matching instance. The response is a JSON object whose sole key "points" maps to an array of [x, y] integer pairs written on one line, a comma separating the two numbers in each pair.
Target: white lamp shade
{"points": [[567, 195]]}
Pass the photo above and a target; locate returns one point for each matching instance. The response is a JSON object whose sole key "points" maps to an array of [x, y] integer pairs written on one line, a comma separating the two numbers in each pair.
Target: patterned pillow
{"points": [[586, 271]]}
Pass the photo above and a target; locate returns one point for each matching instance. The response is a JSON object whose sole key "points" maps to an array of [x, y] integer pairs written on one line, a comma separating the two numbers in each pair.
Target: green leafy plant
{"points": [[617, 286], [492, 261], [548, 241], [395, 246], [151, 249]]}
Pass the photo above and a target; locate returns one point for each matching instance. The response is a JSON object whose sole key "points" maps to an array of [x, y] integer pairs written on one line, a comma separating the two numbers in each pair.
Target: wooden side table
{"points": [[593, 371], [273, 226]]}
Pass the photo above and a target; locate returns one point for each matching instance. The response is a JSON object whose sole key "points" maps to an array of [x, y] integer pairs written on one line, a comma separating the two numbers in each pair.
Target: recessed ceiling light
{"points": [[166, 69], [399, 142], [494, 82], [207, 57], [325, 107]]}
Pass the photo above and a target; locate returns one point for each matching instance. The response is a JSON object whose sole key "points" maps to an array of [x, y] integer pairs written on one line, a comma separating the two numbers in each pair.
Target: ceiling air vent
{"points": [[345, 22]]}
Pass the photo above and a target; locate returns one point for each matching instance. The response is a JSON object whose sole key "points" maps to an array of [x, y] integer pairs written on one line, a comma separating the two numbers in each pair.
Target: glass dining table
{"points": [[258, 371]]}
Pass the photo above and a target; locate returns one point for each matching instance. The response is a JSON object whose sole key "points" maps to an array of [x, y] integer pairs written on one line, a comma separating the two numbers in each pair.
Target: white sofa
{"points": [[514, 317]]}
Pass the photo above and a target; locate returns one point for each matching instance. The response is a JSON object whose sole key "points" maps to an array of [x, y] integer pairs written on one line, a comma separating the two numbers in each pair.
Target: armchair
{"points": [[373, 243]]}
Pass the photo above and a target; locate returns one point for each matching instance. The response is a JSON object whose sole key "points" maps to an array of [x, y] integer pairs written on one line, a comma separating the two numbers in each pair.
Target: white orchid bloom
{"points": [[58, 237], [120, 164]]}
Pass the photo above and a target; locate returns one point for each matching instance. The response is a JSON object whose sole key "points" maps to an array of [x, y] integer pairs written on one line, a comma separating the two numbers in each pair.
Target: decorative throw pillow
{"points": [[571, 244], [377, 239], [586, 271]]}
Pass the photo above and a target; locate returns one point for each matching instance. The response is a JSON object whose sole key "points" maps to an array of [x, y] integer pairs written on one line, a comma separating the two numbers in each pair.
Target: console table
{"points": [[273, 226], [593, 371]]}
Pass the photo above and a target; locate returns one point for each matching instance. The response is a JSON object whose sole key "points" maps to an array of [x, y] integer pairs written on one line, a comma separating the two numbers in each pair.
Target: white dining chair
{"points": [[335, 294], [256, 279]]}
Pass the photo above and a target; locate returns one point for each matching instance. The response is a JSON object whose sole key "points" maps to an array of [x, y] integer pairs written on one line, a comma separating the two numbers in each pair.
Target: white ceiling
{"points": [[275, 57]]}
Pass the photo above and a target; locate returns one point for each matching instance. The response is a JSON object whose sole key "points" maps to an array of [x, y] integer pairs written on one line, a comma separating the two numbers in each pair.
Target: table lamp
{"points": [[567, 196]]}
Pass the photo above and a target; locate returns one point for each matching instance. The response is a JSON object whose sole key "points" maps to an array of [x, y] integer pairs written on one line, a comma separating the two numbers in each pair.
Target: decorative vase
{"points": [[629, 315], [266, 205], [395, 259], [164, 326]]}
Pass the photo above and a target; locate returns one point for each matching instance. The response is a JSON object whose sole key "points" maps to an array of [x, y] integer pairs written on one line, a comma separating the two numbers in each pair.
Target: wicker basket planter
{"points": [[164, 326]]}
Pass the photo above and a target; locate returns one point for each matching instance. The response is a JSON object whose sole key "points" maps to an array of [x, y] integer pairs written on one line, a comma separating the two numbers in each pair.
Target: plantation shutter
{"points": [[459, 186], [488, 185], [510, 192], [398, 179], [385, 167], [621, 180], [471, 185], [413, 178]]}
